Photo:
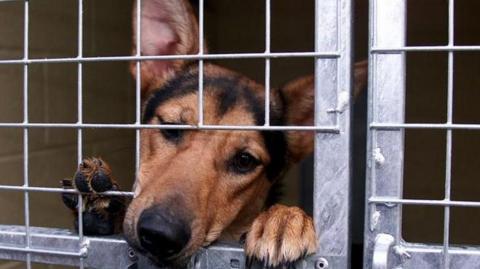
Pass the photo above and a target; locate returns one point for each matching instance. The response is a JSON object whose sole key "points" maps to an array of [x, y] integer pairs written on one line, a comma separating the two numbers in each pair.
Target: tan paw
{"points": [[280, 236]]}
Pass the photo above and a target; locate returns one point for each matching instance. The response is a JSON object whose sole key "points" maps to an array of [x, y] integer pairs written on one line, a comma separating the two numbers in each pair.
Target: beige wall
{"points": [[108, 97]]}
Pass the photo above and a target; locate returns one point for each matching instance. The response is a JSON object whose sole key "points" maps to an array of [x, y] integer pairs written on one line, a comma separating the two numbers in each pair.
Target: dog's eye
{"points": [[173, 135], [243, 162]]}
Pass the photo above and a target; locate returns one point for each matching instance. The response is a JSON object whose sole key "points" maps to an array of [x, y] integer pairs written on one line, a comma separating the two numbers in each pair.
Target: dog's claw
{"points": [[248, 262], [70, 200], [265, 263], [66, 183]]}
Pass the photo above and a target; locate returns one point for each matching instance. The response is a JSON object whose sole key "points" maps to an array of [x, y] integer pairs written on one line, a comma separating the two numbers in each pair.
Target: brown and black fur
{"points": [[215, 184]]}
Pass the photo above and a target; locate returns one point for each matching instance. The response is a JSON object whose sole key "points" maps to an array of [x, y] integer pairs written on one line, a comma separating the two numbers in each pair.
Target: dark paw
{"points": [[102, 214], [96, 224], [94, 175]]}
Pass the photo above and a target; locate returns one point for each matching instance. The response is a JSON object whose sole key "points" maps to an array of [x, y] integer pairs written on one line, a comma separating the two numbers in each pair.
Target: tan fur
{"points": [[281, 235], [191, 177], [300, 98], [168, 169], [360, 77]]}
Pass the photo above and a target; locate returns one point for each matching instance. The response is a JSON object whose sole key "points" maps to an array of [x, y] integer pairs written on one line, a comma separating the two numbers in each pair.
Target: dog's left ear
{"points": [[300, 106], [168, 27]]}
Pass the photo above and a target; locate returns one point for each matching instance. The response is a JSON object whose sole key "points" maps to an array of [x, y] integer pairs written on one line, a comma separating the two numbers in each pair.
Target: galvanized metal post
{"points": [[384, 245], [333, 151], [386, 105]]}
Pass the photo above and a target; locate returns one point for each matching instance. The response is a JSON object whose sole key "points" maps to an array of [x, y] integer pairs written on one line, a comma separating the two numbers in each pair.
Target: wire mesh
{"points": [[331, 61], [385, 153]]}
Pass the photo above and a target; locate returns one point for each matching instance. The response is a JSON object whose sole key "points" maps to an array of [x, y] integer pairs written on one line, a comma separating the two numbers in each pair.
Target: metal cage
{"points": [[332, 57], [384, 246]]}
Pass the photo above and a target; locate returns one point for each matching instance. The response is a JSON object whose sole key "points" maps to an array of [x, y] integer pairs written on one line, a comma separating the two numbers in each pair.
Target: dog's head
{"points": [[195, 186]]}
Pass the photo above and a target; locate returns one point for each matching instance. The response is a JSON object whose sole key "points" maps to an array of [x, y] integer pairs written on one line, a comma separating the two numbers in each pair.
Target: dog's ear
{"points": [[168, 27], [300, 106]]}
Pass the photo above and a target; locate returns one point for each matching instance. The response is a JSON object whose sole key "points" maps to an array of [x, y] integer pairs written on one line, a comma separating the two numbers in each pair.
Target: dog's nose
{"points": [[162, 234]]}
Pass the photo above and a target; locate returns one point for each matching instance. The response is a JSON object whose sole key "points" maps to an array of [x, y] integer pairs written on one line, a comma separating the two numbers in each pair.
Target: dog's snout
{"points": [[162, 234]]}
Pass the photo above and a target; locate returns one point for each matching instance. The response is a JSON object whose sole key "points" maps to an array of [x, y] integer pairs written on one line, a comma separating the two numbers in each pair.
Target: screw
{"points": [[234, 263], [131, 254], [321, 263]]}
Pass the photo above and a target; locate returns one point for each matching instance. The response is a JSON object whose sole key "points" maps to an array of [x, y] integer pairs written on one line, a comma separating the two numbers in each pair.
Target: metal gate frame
{"points": [[384, 246], [333, 39]]}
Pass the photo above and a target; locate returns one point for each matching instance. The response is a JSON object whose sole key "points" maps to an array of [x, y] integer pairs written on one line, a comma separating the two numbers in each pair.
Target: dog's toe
{"points": [[101, 182], [280, 236], [81, 182]]}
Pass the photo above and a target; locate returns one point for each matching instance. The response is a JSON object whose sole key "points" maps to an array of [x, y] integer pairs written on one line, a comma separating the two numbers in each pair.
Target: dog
{"points": [[198, 186]]}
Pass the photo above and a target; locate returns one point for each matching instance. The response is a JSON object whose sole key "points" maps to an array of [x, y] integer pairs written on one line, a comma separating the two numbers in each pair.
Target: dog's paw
{"points": [[94, 175], [279, 237], [102, 214]]}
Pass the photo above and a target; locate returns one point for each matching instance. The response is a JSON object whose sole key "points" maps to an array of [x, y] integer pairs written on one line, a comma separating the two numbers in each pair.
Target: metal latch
{"points": [[381, 251]]}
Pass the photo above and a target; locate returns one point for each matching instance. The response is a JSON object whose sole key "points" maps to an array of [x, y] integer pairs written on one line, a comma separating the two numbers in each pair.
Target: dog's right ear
{"points": [[299, 100], [168, 27]]}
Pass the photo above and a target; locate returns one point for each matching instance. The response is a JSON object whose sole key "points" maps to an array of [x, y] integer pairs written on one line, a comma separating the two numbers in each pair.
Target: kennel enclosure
{"points": [[332, 55]]}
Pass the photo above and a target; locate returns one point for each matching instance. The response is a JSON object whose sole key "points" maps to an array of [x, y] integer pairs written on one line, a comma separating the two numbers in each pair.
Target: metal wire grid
{"points": [[384, 187], [336, 31]]}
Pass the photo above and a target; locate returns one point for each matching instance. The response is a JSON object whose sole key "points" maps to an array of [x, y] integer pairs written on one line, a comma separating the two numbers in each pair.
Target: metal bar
{"points": [[42, 251], [442, 126], [25, 132], [80, 121], [60, 246], [267, 61], [420, 248], [327, 129], [390, 201], [220, 56], [58, 190], [80, 81], [138, 88], [430, 256], [449, 48], [448, 154], [378, 126], [200, 62], [47, 242], [385, 104], [332, 171]]}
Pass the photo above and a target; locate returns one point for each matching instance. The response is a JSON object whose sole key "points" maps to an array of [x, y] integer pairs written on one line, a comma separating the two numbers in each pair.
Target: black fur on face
{"points": [[230, 92]]}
